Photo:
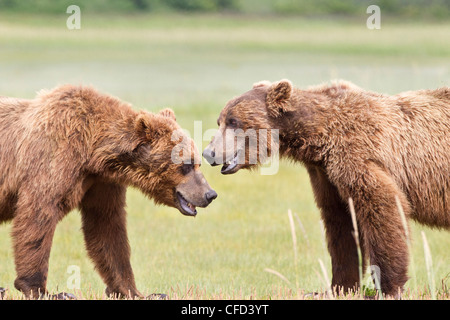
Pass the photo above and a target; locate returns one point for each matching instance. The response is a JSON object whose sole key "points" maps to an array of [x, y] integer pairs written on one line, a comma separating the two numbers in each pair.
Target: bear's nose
{"points": [[210, 195], [209, 156]]}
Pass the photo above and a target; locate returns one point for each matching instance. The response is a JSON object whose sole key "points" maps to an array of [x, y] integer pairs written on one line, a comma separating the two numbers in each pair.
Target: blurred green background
{"points": [[193, 56]]}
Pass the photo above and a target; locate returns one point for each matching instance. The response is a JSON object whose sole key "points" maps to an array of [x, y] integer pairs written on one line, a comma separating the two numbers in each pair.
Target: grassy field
{"points": [[194, 64]]}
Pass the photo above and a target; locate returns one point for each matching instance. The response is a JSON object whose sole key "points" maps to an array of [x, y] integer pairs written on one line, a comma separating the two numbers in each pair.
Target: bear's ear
{"points": [[142, 125], [278, 96], [149, 127], [167, 112]]}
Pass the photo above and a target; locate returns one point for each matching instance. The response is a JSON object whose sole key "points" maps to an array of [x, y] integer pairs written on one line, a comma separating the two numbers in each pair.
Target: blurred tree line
{"points": [[402, 8]]}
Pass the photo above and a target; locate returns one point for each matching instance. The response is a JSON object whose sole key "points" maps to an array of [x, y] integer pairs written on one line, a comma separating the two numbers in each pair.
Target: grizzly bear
{"points": [[376, 149], [73, 147]]}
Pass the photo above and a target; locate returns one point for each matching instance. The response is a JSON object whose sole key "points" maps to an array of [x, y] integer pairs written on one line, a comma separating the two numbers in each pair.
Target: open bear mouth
{"points": [[231, 166], [186, 207]]}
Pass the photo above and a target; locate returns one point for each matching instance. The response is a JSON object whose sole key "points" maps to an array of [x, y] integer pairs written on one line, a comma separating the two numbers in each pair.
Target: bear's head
{"points": [[156, 156], [248, 133]]}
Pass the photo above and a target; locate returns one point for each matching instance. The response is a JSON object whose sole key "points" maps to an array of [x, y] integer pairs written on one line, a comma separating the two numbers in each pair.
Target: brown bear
{"points": [[355, 144], [73, 147]]}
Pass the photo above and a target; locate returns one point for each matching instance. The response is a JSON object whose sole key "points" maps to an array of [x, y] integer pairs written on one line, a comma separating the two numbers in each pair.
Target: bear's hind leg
{"points": [[380, 225], [32, 233]]}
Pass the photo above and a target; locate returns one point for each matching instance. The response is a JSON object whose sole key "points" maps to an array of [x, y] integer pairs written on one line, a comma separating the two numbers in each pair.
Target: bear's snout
{"points": [[210, 196]]}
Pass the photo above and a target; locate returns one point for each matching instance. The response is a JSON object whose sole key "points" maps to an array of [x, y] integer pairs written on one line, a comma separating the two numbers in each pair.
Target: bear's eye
{"points": [[186, 168], [232, 123]]}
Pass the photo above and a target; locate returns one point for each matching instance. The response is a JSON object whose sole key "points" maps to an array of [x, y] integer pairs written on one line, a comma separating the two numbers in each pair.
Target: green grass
{"points": [[194, 64]]}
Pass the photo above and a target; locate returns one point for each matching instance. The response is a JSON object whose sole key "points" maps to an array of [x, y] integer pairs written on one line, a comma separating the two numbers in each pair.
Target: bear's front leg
{"points": [[32, 233], [104, 227], [380, 225]]}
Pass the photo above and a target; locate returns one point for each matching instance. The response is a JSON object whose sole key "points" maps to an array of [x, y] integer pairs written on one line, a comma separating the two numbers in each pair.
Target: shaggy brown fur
{"points": [[362, 145], [74, 147]]}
